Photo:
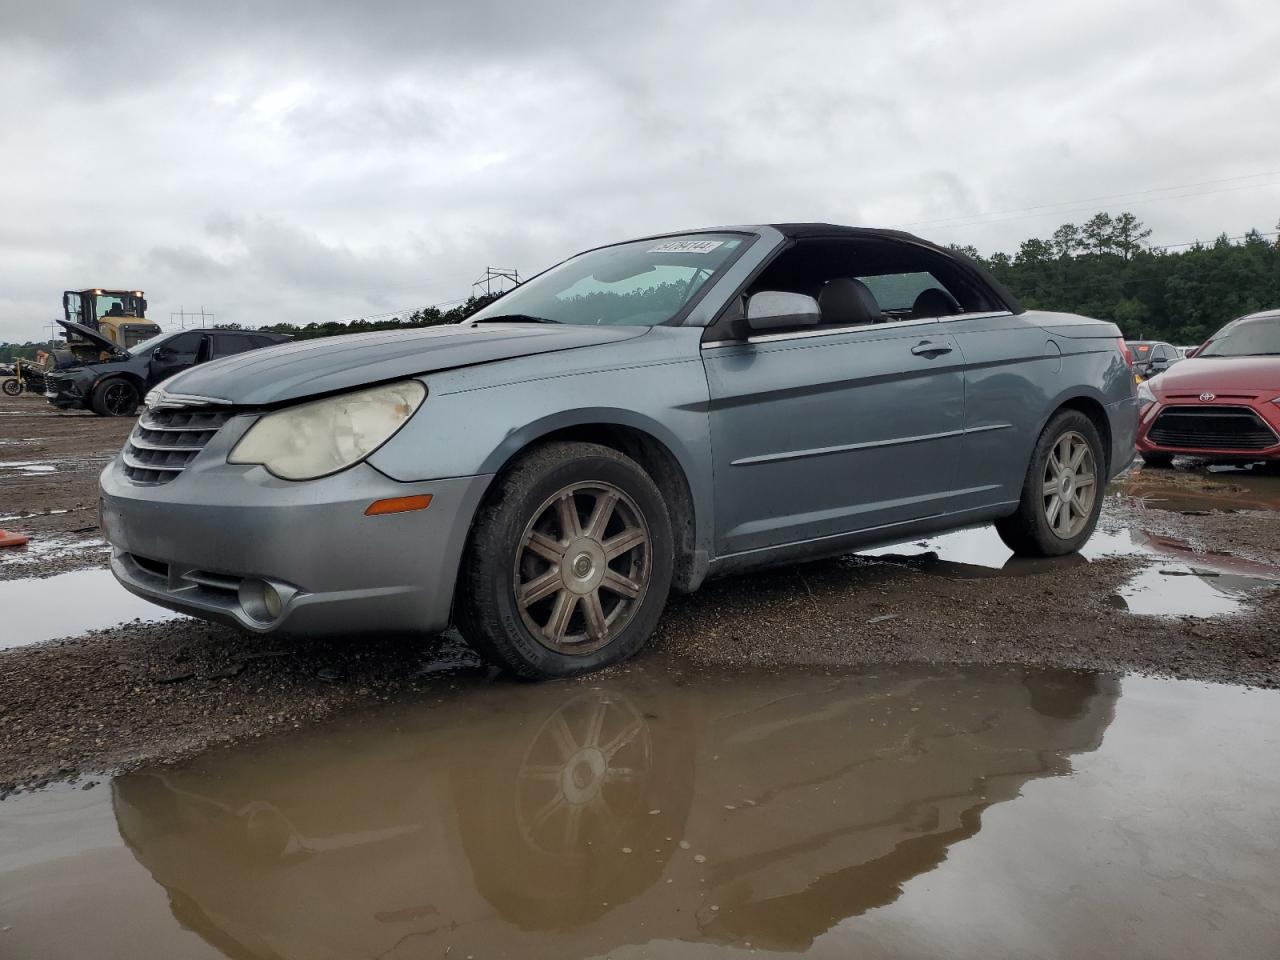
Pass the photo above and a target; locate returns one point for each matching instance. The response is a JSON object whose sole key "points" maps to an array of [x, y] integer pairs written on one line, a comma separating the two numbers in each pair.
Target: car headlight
{"points": [[322, 437], [1146, 396]]}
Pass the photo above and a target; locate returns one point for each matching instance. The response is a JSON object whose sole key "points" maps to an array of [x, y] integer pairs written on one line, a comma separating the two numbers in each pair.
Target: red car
{"points": [[1221, 404]]}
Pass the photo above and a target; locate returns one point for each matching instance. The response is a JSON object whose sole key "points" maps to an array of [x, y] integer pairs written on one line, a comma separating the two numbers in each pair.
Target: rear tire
{"points": [[116, 397], [1157, 459], [1062, 491], [568, 565]]}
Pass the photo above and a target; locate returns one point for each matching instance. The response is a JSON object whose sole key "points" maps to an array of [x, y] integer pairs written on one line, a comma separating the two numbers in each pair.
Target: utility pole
{"points": [[53, 333], [499, 276]]}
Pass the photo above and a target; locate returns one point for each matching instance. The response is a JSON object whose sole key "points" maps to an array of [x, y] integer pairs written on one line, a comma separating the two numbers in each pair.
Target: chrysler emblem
{"points": [[1206, 397]]}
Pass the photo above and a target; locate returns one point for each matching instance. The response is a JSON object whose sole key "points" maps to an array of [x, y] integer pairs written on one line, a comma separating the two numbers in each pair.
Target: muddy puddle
{"points": [[1227, 489], [67, 605], [1178, 580], [661, 813]]}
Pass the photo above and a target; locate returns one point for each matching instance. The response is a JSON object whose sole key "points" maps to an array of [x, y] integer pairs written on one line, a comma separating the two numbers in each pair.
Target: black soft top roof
{"points": [[800, 231]]}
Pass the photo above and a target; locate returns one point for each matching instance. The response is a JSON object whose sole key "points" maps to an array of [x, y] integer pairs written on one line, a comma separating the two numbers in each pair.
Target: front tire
{"points": [[12, 388], [568, 565], [116, 397], [1062, 491]]}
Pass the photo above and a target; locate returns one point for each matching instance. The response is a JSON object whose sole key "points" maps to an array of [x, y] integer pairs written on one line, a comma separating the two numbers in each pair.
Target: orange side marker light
{"points": [[398, 505]]}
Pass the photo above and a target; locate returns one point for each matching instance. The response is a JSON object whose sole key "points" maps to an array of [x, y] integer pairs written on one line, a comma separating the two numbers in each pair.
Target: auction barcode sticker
{"points": [[686, 246]]}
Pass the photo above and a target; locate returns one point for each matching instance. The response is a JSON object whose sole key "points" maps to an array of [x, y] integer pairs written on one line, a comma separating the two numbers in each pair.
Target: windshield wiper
{"points": [[515, 318]]}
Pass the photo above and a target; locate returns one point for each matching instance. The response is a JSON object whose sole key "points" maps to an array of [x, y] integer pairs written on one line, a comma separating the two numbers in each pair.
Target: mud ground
{"points": [[140, 692]]}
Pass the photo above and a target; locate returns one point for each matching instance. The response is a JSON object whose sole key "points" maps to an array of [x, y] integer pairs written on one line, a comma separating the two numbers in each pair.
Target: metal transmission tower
{"points": [[498, 275], [182, 315]]}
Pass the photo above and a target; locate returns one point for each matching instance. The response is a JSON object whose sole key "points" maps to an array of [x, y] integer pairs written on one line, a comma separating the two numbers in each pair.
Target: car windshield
{"points": [[1257, 338], [644, 283], [145, 346]]}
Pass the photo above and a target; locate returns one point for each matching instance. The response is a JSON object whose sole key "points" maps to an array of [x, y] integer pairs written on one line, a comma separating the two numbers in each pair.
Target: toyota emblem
{"points": [[1206, 397]]}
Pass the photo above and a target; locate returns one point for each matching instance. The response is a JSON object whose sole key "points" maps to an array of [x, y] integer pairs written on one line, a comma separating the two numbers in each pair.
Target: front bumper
{"points": [[1266, 412], [65, 393], [202, 543]]}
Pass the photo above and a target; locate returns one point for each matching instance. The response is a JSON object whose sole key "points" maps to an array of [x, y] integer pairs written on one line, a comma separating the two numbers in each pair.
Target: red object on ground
{"points": [[8, 539]]}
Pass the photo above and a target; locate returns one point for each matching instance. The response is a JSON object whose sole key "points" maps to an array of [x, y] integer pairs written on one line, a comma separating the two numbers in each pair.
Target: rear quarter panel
{"points": [[1019, 370]]}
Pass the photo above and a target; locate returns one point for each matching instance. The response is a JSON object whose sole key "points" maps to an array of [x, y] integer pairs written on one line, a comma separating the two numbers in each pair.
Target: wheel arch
{"points": [[138, 383], [1093, 408], [648, 443]]}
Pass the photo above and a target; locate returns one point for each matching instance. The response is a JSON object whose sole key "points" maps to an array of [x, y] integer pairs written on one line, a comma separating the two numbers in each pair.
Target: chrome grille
{"points": [[165, 441]]}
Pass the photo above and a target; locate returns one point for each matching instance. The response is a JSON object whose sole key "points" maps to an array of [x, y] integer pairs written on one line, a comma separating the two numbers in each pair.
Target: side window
{"points": [[858, 282], [184, 347], [226, 344], [912, 296]]}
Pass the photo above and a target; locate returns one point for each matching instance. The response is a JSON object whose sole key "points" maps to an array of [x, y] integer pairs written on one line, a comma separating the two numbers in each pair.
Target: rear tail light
{"points": [[1125, 352]]}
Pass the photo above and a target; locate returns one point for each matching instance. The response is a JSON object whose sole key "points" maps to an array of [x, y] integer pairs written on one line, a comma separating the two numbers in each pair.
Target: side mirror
{"points": [[775, 309], [160, 353]]}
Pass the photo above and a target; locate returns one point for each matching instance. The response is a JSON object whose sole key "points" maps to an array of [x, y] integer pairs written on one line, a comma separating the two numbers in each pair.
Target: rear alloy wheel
{"points": [[1061, 494], [114, 398], [569, 563]]}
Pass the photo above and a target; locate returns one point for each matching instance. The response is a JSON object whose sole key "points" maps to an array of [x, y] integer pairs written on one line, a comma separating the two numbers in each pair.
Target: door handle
{"points": [[930, 350]]}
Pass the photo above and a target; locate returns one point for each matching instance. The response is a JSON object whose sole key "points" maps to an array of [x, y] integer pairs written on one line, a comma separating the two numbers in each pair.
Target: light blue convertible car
{"points": [[639, 417]]}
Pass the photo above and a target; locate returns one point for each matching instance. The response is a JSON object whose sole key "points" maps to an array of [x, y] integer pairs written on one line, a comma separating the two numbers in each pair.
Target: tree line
{"points": [[1104, 268]]}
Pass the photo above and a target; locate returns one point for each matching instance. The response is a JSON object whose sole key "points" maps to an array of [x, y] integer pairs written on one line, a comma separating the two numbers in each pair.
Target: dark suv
{"points": [[114, 383]]}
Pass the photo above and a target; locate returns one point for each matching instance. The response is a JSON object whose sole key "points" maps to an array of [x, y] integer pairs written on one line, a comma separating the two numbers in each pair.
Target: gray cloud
{"points": [[322, 160]]}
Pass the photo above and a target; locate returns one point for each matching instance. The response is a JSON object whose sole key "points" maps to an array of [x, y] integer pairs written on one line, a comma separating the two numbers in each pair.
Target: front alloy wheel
{"points": [[568, 564], [582, 568]]}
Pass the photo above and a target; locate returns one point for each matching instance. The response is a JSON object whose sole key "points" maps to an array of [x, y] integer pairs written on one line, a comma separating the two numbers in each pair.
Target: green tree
{"points": [[1097, 235], [1127, 234], [1066, 240]]}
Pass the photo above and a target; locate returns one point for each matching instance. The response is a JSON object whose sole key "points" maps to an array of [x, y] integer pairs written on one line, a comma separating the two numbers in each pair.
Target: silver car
{"points": [[640, 417]]}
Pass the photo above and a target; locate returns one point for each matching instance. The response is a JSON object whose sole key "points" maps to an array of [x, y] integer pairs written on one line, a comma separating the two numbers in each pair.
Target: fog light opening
{"points": [[271, 601], [261, 601]]}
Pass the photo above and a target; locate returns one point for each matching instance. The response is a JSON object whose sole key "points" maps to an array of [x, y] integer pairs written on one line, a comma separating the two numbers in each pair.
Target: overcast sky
{"points": [[327, 160]]}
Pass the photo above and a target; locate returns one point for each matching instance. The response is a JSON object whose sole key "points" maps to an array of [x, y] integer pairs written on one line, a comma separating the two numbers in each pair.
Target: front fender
{"points": [[473, 432]]}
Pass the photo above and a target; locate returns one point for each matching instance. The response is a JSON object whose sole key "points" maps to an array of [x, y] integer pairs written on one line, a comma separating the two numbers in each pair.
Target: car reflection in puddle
{"points": [[731, 809]]}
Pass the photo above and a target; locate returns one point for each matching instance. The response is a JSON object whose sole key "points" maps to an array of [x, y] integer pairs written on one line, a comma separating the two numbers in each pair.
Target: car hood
{"points": [[1220, 375], [307, 368], [82, 332]]}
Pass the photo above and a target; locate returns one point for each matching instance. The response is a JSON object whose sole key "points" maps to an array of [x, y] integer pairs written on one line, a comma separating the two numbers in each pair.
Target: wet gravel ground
{"points": [[160, 691], [49, 466]]}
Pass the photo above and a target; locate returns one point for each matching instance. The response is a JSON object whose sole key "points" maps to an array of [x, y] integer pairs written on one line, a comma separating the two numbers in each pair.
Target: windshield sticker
{"points": [[686, 246]]}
